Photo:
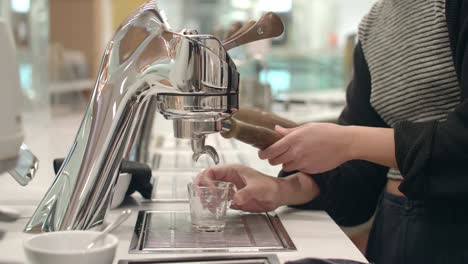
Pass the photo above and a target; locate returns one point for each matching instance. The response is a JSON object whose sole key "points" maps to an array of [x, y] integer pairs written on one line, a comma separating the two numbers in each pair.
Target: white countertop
{"points": [[313, 232]]}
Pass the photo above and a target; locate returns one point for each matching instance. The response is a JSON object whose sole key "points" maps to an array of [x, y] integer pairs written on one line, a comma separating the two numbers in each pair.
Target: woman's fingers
{"points": [[225, 173], [247, 200], [284, 131], [216, 173], [283, 158], [291, 166], [206, 174], [235, 207], [275, 150], [281, 146], [242, 197]]}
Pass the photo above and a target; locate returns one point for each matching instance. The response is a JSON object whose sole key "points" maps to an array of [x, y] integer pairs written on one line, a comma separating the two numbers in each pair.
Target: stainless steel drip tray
{"points": [[245, 259], [171, 232]]}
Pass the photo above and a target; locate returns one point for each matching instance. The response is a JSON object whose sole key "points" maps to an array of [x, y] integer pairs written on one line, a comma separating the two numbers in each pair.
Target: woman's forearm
{"points": [[297, 189], [372, 144], [375, 145]]}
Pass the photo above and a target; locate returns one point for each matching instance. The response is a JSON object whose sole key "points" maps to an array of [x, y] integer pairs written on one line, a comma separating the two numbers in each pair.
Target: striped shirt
{"points": [[413, 92], [407, 48]]}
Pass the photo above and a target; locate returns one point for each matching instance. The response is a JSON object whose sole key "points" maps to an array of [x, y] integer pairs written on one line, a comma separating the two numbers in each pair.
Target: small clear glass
{"points": [[209, 201]]}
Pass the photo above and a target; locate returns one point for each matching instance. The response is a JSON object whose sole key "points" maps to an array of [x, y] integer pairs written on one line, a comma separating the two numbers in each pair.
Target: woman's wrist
{"points": [[352, 149], [297, 189], [372, 144]]}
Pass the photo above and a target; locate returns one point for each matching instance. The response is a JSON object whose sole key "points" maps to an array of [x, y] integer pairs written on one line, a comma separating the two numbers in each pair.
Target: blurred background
{"points": [[60, 44]]}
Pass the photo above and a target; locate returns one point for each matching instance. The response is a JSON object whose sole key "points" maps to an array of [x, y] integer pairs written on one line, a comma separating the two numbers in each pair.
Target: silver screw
{"points": [[260, 31]]}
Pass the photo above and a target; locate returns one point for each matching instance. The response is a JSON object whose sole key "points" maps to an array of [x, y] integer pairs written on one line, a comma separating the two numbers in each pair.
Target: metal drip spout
{"points": [[199, 148]]}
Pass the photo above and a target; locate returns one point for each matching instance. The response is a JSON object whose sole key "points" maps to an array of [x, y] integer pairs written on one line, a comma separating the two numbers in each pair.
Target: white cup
{"points": [[69, 247]]}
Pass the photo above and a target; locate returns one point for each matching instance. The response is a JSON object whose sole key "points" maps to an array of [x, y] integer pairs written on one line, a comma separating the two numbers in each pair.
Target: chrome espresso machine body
{"points": [[187, 77]]}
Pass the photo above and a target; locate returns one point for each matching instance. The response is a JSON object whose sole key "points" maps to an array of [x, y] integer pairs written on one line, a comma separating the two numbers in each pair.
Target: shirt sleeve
{"points": [[350, 192], [433, 156]]}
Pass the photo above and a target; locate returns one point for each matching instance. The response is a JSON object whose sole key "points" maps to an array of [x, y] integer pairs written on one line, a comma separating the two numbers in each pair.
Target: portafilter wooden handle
{"points": [[257, 136], [262, 118], [269, 26]]}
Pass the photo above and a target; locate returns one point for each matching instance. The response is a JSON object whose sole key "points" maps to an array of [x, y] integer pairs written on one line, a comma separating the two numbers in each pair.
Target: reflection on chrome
{"points": [[188, 78]]}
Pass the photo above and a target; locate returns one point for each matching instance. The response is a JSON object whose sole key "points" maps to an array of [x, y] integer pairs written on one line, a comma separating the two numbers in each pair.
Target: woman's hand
{"points": [[320, 147], [258, 192], [311, 148]]}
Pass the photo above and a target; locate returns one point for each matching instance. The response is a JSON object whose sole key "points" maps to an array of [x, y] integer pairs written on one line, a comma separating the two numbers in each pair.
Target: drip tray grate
{"points": [[257, 259], [171, 232]]}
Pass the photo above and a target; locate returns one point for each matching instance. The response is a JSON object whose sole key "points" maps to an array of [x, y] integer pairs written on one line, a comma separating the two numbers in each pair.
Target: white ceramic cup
{"points": [[69, 247]]}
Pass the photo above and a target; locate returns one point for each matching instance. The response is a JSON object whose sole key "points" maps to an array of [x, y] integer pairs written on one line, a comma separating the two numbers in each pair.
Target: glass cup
{"points": [[209, 201]]}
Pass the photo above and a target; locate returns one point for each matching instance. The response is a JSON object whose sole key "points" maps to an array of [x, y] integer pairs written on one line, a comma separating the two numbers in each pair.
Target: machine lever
{"points": [[268, 26]]}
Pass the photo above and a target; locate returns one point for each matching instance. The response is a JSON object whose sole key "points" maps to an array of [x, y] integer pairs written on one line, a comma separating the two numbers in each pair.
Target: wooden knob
{"points": [[268, 26], [238, 31]]}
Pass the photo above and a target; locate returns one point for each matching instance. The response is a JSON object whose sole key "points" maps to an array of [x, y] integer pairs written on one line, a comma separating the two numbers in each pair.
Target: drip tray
{"points": [[258, 259], [172, 232]]}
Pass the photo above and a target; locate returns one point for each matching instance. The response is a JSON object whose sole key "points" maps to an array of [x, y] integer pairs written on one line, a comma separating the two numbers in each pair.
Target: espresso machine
{"points": [[187, 77]]}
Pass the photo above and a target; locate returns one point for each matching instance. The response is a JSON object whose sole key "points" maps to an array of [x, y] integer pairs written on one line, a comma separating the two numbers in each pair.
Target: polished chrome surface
{"points": [[199, 105], [186, 129], [199, 148], [226, 125], [145, 61], [171, 232], [197, 130], [25, 167], [141, 148]]}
